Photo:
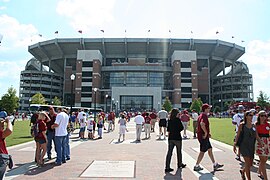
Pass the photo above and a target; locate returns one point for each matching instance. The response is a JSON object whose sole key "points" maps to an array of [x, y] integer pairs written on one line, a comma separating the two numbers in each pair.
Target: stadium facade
{"points": [[135, 73]]}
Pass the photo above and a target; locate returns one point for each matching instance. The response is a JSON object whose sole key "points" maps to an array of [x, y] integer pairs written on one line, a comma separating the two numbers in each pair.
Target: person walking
{"points": [[139, 120], [162, 117], [60, 126], [4, 133], [174, 132], [185, 118], [203, 134], [122, 129], [237, 119], [195, 119], [147, 126], [247, 145], [153, 117], [100, 126], [263, 149]]}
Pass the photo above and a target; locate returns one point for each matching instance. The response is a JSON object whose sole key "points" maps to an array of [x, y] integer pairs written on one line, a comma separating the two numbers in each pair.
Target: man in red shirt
{"points": [[203, 133]]}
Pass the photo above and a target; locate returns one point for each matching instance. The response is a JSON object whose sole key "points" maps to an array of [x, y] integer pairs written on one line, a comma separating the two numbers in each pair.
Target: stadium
{"points": [[135, 73]]}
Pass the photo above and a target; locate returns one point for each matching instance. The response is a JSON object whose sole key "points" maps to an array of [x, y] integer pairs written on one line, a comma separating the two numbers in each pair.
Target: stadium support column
{"points": [[78, 83], [194, 81]]}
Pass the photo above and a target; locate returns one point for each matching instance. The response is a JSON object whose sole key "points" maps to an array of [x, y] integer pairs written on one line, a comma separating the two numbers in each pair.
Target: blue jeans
{"points": [[60, 149], [3, 165], [50, 138], [67, 146]]}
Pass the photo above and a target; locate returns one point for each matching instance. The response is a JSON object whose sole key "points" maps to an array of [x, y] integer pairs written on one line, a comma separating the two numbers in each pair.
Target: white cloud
{"points": [[85, 14], [15, 34], [257, 58], [3, 8]]}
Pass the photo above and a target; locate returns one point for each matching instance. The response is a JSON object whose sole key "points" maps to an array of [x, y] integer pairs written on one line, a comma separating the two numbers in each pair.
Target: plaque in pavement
{"points": [[110, 169]]}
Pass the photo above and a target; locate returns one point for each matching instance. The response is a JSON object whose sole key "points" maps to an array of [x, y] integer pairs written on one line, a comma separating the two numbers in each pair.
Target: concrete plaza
{"points": [[107, 159]]}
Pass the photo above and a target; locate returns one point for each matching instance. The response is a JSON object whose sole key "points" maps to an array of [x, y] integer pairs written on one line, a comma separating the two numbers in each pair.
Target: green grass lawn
{"points": [[221, 129], [21, 133]]}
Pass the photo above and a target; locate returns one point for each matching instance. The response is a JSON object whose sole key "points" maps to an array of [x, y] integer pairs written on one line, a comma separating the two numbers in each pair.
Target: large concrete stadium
{"points": [[135, 73]]}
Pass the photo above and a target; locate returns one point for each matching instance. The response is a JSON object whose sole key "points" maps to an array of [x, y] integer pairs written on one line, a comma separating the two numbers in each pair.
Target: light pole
{"points": [[29, 101], [112, 104], [116, 109], [72, 77], [106, 102], [95, 105], [158, 106]]}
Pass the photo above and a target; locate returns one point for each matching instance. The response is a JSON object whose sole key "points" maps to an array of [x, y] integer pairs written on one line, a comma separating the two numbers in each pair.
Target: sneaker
{"points": [[217, 166], [182, 166], [197, 168], [168, 170]]}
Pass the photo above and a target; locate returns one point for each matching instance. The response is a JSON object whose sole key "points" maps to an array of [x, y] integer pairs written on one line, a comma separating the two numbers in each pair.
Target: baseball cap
{"points": [[240, 107], [257, 107], [205, 106], [3, 114], [252, 110]]}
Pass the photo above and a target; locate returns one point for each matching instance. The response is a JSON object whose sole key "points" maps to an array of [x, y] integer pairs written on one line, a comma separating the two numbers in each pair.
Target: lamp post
{"points": [[112, 104], [116, 109], [106, 102], [158, 106], [29, 101], [95, 105], [72, 77]]}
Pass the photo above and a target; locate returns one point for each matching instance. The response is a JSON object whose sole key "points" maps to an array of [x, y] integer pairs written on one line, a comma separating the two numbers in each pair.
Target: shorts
{"points": [[90, 130], [82, 129], [205, 145], [162, 123], [185, 125], [41, 141]]}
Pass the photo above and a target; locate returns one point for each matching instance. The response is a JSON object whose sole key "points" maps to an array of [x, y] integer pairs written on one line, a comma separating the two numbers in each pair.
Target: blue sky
{"points": [[21, 22]]}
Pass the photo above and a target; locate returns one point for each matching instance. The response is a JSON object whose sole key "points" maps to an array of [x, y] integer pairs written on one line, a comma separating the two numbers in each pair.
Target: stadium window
{"points": [[186, 80], [87, 64], [185, 89], [185, 64], [86, 74], [186, 95], [185, 74]]}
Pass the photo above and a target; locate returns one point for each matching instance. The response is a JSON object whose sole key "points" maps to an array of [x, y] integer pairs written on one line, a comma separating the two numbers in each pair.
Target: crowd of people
{"points": [[54, 128]]}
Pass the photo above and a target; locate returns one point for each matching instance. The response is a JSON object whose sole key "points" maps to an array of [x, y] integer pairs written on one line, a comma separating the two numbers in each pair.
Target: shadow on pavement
{"points": [[176, 176], [38, 170]]}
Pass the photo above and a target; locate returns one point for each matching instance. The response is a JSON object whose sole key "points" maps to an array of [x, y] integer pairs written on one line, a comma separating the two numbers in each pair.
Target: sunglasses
{"points": [[262, 115]]}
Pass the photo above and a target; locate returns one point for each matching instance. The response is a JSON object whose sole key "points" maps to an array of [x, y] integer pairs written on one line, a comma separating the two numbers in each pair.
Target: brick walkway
{"points": [[149, 157]]}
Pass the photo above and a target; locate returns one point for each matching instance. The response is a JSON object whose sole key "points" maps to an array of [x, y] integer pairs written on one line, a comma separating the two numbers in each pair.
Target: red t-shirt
{"points": [[263, 128], [202, 118], [184, 118], [153, 116], [41, 127], [51, 122], [3, 148], [147, 119]]}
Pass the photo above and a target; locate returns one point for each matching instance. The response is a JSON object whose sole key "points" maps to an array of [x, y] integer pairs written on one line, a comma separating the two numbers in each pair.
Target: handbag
{"points": [[240, 138]]}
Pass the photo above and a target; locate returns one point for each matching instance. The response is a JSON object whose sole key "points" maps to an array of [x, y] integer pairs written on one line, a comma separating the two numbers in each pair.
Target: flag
{"points": [[169, 31], [191, 32], [217, 32], [56, 32], [149, 30], [125, 30], [232, 36], [80, 31], [40, 35], [242, 41], [102, 30]]}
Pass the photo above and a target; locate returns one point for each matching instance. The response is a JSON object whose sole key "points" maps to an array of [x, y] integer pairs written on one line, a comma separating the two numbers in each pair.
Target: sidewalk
{"points": [[107, 159]]}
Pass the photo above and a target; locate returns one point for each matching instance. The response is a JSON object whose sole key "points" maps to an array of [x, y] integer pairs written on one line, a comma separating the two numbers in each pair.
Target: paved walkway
{"points": [[107, 159]]}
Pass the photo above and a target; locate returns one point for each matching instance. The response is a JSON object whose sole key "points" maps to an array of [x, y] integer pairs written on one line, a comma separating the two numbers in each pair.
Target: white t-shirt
{"points": [[237, 119], [139, 119], [80, 115], [195, 116], [162, 114], [90, 124], [62, 121], [83, 121]]}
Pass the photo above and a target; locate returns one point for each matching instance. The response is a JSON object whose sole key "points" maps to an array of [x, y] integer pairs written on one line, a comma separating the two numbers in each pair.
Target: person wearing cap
{"points": [[139, 120], [185, 118], [90, 126], [195, 119], [203, 133], [4, 132], [255, 115], [237, 119]]}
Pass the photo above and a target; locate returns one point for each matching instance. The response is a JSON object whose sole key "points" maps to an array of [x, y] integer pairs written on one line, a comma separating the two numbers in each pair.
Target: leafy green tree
{"points": [[262, 100], [196, 104], [38, 99], [56, 101], [9, 101], [217, 109], [167, 104]]}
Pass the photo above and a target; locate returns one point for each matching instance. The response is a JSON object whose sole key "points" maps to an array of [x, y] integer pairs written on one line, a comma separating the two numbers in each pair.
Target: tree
{"points": [[196, 104], [9, 101], [167, 104], [56, 101], [38, 99], [217, 109], [263, 100]]}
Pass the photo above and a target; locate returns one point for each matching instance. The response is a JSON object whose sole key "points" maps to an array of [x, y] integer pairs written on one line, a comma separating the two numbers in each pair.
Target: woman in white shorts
{"points": [[122, 129]]}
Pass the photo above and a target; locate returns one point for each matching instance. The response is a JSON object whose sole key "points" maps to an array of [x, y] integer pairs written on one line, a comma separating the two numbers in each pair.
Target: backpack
{"points": [[34, 130]]}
